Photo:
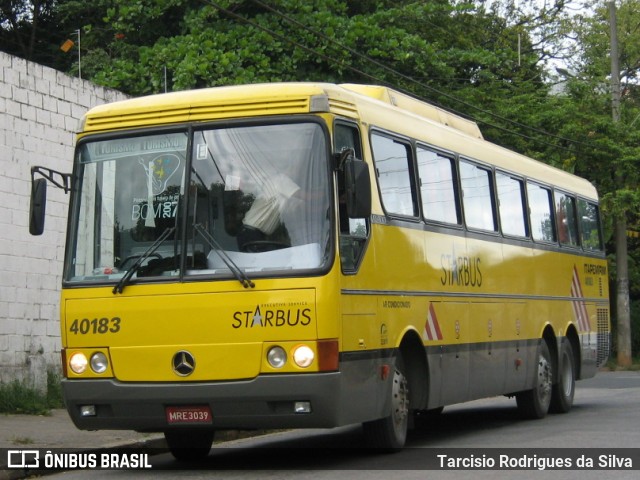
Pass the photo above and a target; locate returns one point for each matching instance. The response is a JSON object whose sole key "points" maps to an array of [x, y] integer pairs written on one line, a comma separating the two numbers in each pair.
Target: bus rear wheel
{"points": [[535, 403], [189, 445], [564, 389], [390, 433]]}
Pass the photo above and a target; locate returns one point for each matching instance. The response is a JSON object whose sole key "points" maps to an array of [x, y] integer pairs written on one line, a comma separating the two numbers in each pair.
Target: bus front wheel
{"points": [[189, 445], [535, 403], [390, 433]]}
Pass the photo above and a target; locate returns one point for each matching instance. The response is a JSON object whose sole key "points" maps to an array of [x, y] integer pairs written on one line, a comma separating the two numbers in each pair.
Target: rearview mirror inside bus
{"points": [[358, 188], [38, 206]]}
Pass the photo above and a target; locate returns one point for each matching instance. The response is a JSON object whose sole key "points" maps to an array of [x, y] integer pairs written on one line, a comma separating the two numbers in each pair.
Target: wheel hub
{"points": [[400, 398]]}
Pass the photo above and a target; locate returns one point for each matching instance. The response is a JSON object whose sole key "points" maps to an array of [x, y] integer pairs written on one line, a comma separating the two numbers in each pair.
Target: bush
{"points": [[15, 397]]}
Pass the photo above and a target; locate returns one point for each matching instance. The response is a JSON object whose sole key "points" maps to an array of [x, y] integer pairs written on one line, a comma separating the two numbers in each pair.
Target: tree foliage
{"points": [[22, 24], [455, 54]]}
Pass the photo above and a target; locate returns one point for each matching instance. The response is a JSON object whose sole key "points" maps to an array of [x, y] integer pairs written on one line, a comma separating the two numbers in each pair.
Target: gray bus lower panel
{"points": [[263, 402]]}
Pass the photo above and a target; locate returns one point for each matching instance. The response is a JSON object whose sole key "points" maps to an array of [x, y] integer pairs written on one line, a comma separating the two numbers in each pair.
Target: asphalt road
{"points": [[604, 422]]}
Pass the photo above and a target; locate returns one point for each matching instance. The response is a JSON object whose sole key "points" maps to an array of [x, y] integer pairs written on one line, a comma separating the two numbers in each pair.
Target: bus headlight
{"points": [[78, 363], [99, 362], [277, 357], [303, 356]]}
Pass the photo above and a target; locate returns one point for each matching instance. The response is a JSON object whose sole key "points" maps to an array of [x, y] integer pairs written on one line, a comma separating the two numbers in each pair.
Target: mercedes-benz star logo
{"points": [[183, 363]]}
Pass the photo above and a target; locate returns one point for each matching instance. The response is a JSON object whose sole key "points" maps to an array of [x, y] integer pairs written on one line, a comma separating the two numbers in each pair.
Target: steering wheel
{"points": [[134, 257], [259, 246]]}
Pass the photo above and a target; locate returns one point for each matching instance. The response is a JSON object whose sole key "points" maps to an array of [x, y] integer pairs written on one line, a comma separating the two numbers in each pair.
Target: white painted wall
{"points": [[40, 109]]}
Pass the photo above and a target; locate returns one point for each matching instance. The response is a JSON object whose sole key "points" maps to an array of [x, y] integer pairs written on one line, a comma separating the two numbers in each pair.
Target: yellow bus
{"points": [[314, 255]]}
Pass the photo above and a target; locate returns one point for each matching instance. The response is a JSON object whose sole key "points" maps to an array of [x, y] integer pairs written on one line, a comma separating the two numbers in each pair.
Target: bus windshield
{"points": [[249, 199]]}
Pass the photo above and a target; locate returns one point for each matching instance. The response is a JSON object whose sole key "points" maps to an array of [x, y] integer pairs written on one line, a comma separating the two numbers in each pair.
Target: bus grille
{"points": [[604, 335]]}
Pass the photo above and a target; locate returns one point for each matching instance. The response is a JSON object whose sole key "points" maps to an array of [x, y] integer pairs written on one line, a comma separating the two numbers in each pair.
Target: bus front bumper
{"points": [[267, 401]]}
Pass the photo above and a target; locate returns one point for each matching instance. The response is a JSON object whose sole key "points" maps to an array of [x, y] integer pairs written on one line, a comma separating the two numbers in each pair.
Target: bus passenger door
{"points": [[361, 334]]}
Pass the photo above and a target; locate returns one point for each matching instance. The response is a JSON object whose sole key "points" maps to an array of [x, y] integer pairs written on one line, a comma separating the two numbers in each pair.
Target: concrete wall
{"points": [[40, 109]]}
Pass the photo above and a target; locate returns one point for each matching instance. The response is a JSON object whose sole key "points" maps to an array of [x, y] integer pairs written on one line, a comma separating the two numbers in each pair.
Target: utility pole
{"points": [[622, 259], [79, 56]]}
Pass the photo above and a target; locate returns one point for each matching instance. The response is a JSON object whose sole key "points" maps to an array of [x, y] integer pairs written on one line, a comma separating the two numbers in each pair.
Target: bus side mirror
{"points": [[39, 195], [357, 188], [38, 206]]}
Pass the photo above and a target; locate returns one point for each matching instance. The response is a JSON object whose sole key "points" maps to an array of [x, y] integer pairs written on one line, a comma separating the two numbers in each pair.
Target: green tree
{"points": [[238, 42], [423, 47], [24, 26], [454, 54]]}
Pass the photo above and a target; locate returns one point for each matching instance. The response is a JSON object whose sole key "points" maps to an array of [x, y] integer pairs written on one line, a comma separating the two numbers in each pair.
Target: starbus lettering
{"points": [[460, 271], [273, 318]]}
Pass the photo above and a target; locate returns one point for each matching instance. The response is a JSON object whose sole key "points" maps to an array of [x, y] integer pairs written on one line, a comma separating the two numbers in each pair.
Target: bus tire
{"points": [[390, 433], [535, 403], [189, 445], [564, 390]]}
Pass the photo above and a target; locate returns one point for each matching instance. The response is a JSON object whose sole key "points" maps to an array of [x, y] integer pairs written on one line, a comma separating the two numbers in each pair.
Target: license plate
{"points": [[197, 414]]}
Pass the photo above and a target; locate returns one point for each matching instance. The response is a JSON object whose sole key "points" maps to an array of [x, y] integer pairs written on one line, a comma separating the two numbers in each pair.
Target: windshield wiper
{"points": [[146, 254], [235, 269]]}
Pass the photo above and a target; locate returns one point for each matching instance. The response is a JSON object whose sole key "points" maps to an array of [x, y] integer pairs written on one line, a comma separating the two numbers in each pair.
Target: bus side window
{"points": [[353, 232], [540, 213], [590, 230], [393, 166], [476, 197], [437, 186], [566, 219], [511, 205]]}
